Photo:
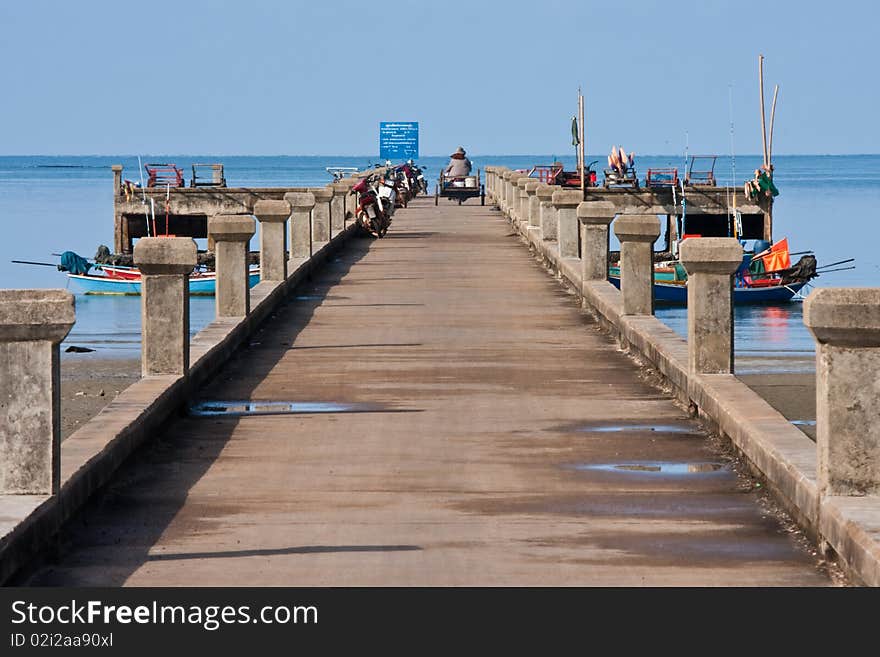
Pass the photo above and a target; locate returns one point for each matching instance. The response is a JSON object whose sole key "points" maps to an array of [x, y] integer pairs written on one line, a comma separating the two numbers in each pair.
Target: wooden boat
{"points": [[674, 293], [127, 281], [779, 285]]}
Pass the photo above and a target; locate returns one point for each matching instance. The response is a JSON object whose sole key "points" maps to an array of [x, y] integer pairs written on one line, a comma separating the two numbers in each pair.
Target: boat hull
{"points": [[676, 295], [103, 285]]}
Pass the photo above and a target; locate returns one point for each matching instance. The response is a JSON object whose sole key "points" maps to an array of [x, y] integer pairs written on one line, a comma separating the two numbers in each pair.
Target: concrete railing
{"points": [[831, 487], [44, 481]]}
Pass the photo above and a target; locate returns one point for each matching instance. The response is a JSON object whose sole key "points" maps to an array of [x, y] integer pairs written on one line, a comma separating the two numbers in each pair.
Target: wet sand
{"points": [[793, 395], [90, 382]]}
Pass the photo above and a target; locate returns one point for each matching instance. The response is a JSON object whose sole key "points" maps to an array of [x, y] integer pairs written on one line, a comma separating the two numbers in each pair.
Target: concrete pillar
{"points": [[350, 200], [508, 192], [337, 207], [637, 234], [546, 211], [522, 202], [566, 202], [846, 325], [502, 190], [534, 208], [710, 263], [595, 217], [321, 217], [117, 179], [300, 229], [32, 324], [272, 216], [165, 264], [232, 234]]}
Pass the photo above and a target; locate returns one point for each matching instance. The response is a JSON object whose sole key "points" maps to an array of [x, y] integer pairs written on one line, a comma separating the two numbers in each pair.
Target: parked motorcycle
{"points": [[373, 205]]}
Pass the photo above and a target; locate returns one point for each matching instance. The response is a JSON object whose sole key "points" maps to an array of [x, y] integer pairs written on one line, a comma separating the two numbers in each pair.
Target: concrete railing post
{"points": [[337, 207], [846, 325], [566, 202], [546, 211], [272, 216], [637, 234], [232, 234], [522, 202], [117, 179], [299, 239], [533, 211], [493, 183], [321, 217], [508, 193], [710, 263], [165, 264], [595, 217], [32, 324]]}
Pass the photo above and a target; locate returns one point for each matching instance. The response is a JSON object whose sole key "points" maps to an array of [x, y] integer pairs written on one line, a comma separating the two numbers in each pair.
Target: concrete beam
{"points": [[32, 324]]}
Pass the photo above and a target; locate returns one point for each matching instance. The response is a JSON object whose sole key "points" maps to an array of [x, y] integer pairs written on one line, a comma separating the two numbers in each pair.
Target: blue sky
{"points": [[312, 78]]}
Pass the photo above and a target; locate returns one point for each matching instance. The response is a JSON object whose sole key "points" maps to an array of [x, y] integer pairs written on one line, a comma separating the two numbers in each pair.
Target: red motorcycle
{"points": [[371, 214]]}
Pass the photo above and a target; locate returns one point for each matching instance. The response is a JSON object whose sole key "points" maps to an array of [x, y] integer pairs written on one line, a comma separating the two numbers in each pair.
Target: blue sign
{"points": [[398, 140]]}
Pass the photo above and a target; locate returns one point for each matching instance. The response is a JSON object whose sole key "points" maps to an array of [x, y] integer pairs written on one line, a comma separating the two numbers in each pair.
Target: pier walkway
{"points": [[473, 423]]}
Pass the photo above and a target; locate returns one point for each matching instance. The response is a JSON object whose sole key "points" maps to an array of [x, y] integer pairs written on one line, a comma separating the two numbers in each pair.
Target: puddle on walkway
{"points": [[803, 423], [214, 408], [661, 428], [656, 468]]}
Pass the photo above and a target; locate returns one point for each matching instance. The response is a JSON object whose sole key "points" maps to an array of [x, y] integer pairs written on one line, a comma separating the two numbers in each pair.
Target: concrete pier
{"points": [[637, 234], [846, 325], [300, 227], [273, 216], [710, 263], [566, 203], [595, 217], [232, 234], [464, 441], [32, 324], [165, 264], [321, 217]]}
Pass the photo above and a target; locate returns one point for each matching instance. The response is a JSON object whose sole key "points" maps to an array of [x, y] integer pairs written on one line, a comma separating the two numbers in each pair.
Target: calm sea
{"points": [[827, 204]]}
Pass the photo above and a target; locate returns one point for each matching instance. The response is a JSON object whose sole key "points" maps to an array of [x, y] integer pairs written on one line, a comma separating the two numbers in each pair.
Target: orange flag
{"points": [[778, 258]]}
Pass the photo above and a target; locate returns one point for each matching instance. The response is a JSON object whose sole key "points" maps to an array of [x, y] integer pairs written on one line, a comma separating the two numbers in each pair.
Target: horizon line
{"points": [[376, 157]]}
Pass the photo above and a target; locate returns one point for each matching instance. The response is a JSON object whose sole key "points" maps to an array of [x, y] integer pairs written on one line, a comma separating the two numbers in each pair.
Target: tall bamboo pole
{"points": [[772, 119], [763, 119], [581, 137]]}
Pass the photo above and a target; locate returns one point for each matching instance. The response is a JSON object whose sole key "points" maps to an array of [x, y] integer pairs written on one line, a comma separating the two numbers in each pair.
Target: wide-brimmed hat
{"points": [[459, 150]]}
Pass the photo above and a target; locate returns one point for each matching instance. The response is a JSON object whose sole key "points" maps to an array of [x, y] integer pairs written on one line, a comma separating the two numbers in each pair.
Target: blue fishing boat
{"points": [[675, 294], [199, 284]]}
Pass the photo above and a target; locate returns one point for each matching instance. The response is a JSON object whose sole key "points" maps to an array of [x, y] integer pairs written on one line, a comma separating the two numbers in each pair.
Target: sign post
{"points": [[398, 140]]}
